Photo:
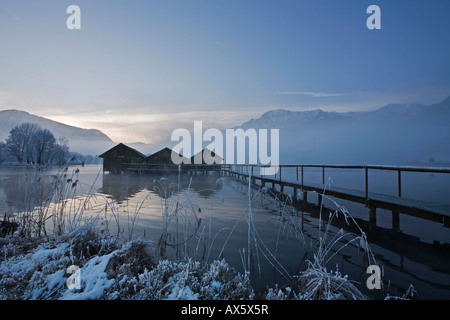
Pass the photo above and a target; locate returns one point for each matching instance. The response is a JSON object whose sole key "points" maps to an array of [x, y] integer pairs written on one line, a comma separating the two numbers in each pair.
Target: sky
{"points": [[137, 70]]}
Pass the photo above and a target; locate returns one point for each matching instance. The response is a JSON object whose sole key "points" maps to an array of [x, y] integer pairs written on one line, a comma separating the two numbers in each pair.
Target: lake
{"points": [[208, 217]]}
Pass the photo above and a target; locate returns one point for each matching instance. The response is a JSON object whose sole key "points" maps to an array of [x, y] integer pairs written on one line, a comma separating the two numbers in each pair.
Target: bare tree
{"points": [[29, 143], [2, 151], [19, 141], [60, 152], [43, 143]]}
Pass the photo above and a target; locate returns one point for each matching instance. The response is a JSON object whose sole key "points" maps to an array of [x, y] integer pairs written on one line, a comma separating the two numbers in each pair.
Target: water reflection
{"points": [[220, 229], [122, 187], [403, 256], [13, 189], [27, 188]]}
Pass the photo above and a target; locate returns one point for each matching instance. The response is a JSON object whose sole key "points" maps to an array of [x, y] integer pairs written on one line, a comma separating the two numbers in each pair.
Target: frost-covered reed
{"points": [[317, 281], [49, 201]]}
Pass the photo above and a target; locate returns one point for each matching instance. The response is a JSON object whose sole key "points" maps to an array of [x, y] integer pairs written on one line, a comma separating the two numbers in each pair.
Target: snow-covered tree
{"points": [[2, 151], [18, 143], [60, 152], [43, 143]]}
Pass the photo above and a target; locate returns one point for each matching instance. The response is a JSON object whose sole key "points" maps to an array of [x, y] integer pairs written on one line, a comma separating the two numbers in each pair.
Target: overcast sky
{"points": [[139, 69]]}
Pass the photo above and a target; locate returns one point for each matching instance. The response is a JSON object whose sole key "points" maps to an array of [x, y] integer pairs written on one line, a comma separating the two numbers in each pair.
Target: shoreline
{"points": [[107, 270]]}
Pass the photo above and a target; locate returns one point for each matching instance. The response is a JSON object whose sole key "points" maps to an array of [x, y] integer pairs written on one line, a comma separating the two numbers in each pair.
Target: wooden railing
{"points": [[399, 169], [439, 212]]}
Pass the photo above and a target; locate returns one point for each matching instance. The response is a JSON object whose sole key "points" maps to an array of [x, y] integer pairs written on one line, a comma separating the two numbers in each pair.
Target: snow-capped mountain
{"points": [[275, 118], [286, 118], [391, 134]]}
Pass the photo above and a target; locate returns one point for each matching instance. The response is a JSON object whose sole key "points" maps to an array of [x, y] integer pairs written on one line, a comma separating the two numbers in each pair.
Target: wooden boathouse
{"points": [[114, 159], [122, 159]]}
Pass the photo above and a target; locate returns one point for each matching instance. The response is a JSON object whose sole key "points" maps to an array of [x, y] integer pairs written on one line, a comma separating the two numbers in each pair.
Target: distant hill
{"points": [[85, 141], [396, 133]]}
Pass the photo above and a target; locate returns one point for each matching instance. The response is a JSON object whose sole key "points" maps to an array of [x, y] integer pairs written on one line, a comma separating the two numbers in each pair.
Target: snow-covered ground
{"points": [[108, 270], [86, 264]]}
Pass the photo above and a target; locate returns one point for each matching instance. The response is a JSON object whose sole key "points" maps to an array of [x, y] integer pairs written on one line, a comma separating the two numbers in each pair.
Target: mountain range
{"points": [[394, 134], [286, 118]]}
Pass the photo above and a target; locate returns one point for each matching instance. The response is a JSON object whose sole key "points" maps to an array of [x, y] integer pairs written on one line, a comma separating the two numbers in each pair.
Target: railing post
{"points": [[323, 175], [281, 185], [395, 221], [367, 183], [372, 217], [399, 183], [302, 177]]}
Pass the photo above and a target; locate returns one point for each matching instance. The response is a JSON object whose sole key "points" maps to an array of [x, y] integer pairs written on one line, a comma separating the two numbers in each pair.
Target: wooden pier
{"points": [[396, 204], [437, 212], [121, 159]]}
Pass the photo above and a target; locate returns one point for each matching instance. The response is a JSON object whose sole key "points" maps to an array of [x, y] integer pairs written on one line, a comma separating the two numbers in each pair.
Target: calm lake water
{"points": [[212, 214]]}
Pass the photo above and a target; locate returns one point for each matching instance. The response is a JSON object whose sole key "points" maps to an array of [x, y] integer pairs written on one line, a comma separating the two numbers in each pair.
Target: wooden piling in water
{"points": [[395, 221], [372, 216], [294, 196], [446, 222]]}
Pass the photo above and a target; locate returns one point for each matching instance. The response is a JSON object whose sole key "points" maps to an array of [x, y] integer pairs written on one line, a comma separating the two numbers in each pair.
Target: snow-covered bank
{"points": [[32, 269], [37, 270]]}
